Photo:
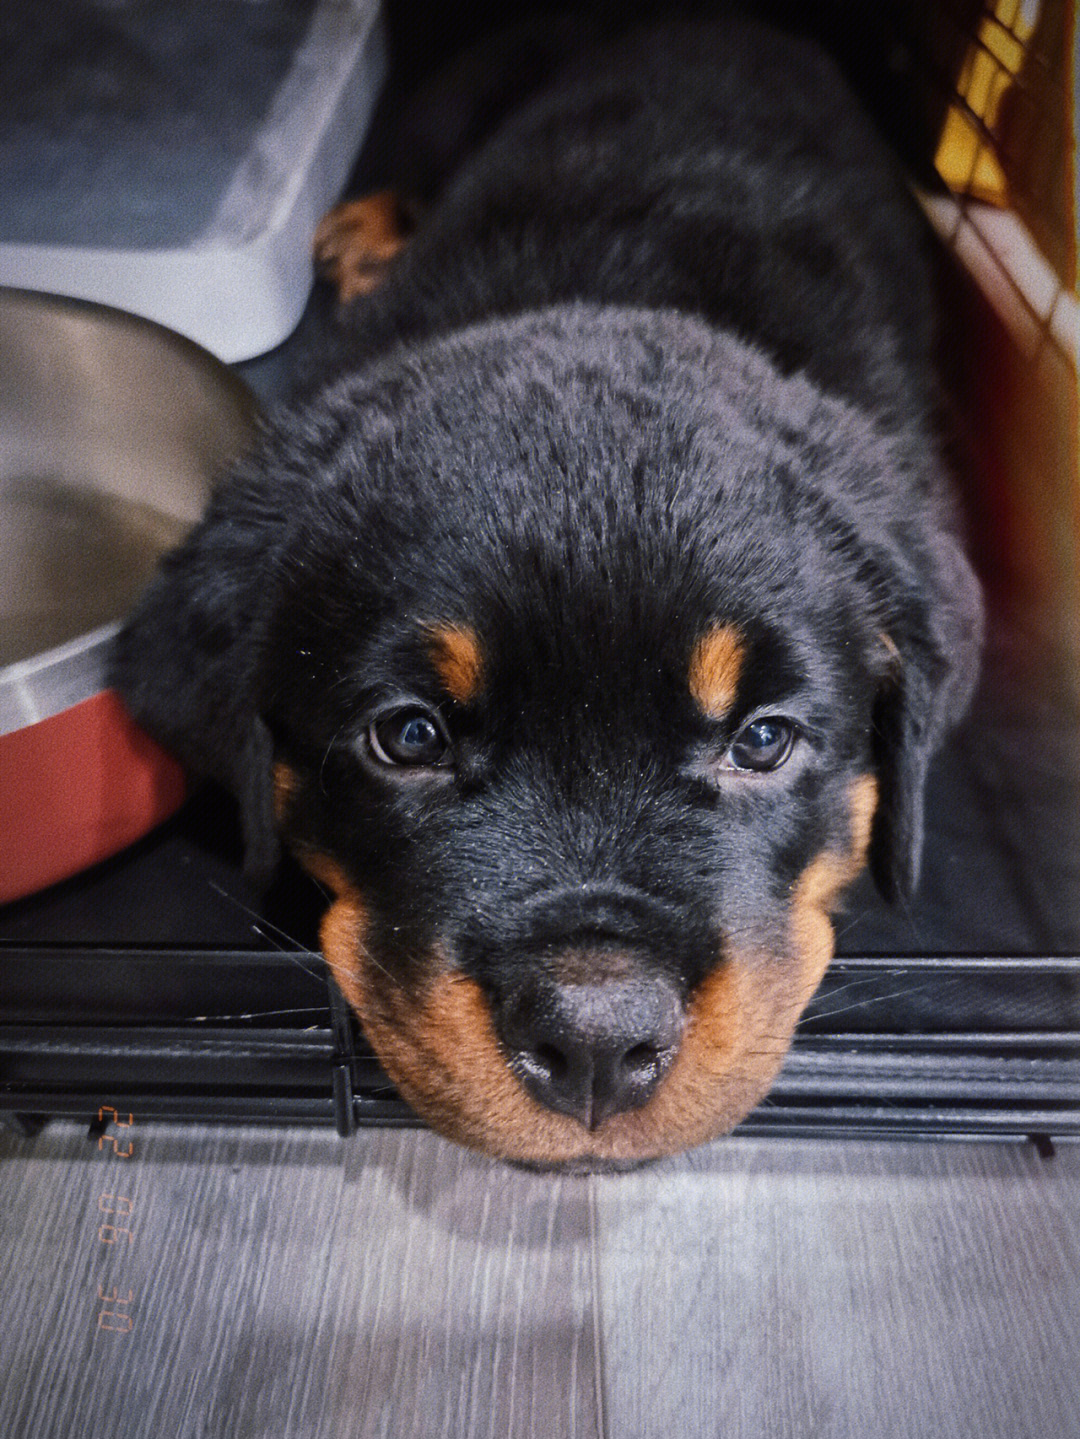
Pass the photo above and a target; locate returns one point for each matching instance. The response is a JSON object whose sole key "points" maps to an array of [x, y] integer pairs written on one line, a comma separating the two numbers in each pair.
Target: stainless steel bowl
{"points": [[111, 432]]}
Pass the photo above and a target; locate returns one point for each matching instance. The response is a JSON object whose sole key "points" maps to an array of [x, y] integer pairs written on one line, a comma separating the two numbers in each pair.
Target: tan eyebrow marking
{"points": [[715, 665], [458, 659]]}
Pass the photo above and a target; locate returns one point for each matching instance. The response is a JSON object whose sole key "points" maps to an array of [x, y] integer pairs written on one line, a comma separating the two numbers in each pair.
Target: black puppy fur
{"points": [[657, 365]]}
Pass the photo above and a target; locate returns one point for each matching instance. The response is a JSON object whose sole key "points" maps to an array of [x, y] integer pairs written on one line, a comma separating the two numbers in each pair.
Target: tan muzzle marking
{"points": [[439, 1046]]}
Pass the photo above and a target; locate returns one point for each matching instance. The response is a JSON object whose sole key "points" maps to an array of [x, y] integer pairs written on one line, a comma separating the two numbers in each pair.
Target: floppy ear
{"points": [[933, 645], [188, 660]]}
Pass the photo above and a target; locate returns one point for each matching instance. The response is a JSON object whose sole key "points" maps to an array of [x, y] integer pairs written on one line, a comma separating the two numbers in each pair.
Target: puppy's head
{"points": [[585, 659]]}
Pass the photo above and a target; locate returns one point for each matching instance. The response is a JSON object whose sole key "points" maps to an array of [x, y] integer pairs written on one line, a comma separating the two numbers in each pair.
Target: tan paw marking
{"points": [[356, 241]]}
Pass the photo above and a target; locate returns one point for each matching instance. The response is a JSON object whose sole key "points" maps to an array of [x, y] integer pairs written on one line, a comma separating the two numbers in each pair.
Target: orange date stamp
{"points": [[114, 1314]]}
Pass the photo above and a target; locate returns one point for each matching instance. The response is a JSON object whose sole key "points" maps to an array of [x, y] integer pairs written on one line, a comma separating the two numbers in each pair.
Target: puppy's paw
{"points": [[356, 241]]}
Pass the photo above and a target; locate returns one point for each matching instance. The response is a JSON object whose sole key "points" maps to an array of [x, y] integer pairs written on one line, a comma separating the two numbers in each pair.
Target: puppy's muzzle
{"points": [[591, 1050]]}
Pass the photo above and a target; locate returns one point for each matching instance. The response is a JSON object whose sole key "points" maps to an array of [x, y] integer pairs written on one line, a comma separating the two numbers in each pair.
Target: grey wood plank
{"points": [[760, 1290], [291, 1284]]}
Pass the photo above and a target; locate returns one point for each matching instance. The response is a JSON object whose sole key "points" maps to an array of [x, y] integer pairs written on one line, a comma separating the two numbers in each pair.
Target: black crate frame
{"points": [[162, 1064], [86, 1026]]}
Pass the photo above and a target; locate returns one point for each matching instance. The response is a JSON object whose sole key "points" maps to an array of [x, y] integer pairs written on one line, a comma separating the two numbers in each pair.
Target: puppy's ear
{"points": [[930, 663], [188, 660]]}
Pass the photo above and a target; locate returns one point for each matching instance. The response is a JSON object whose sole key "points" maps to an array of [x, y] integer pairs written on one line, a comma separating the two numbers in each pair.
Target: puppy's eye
{"points": [[762, 745], [409, 736]]}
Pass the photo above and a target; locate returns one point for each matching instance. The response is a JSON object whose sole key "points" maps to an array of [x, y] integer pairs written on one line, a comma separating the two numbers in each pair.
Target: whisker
{"points": [[852, 922], [285, 935], [326, 894], [834, 991], [327, 752], [293, 954], [870, 999], [260, 1014]]}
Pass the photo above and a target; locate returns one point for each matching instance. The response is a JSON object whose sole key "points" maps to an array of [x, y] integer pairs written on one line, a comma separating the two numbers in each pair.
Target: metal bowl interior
{"points": [[112, 430]]}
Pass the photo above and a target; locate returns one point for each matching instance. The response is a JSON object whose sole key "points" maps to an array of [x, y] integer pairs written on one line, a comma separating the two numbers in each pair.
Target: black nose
{"points": [[592, 1050]]}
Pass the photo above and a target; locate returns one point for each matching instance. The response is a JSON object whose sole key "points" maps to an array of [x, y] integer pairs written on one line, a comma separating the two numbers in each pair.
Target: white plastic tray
{"points": [[239, 283]]}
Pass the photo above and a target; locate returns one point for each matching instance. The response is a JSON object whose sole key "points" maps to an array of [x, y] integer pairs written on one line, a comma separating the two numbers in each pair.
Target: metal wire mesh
{"points": [[999, 78]]}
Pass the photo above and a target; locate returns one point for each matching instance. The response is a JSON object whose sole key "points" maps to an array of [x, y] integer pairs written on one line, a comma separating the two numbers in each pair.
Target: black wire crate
{"points": [[251, 1035], [158, 983]]}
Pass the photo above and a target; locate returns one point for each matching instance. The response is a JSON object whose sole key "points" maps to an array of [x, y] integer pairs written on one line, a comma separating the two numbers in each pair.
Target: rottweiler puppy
{"points": [[593, 623]]}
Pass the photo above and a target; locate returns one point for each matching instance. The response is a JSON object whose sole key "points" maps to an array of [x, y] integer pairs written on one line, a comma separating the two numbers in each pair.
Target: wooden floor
{"points": [[287, 1284]]}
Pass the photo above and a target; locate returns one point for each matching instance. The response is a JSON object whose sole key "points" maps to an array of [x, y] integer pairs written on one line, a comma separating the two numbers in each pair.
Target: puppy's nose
{"points": [[593, 1050]]}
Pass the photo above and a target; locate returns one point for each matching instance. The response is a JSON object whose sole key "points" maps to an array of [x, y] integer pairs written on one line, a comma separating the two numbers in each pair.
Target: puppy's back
{"points": [[723, 170]]}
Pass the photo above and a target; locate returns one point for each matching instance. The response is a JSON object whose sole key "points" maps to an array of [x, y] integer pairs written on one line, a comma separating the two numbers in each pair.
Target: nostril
{"points": [[641, 1061], [551, 1061]]}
